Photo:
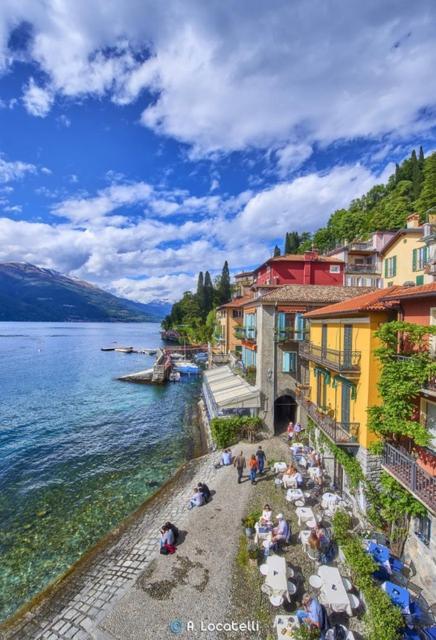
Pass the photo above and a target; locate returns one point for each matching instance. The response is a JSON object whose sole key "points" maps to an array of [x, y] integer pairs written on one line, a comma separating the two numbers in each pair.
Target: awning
{"points": [[225, 390]]}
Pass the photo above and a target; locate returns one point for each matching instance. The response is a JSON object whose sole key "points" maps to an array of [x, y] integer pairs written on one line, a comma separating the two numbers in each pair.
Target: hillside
{"points": [[30, 293], [412, 188]]}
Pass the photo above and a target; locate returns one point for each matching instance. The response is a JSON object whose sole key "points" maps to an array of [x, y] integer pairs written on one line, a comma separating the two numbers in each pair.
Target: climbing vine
{"points": [[349, 463], [402, 376]]}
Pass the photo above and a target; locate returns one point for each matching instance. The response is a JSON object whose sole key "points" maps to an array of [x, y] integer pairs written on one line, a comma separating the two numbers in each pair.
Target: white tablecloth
{"points": [[304, 514], [276, 578], [333, 591], [289, 481], [261, 535], [304, 538], [285, 626], [314, 472], [330, 500], [279, 467], [294, 494]]}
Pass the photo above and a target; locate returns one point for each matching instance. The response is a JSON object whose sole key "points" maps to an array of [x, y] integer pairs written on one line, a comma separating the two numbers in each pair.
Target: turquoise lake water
{"points": [[79, 450]]}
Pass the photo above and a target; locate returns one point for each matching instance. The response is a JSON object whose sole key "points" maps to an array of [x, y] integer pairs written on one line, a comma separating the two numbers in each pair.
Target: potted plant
{"points": [[305, 633], [253, 554], [249, 522]]}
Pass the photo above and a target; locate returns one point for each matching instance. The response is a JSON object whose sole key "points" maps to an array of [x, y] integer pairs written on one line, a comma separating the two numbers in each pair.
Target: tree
{"points": [[201, 293], [224, 287], [427, 197], [276, 252], [208, 293], [417, 176], [292, 242]]}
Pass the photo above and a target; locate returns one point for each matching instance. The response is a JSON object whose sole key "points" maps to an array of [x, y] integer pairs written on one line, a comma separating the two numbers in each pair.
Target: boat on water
{"points": [[124, 349], [107, 349], [201, 357], [177, 356], [187, 367]]}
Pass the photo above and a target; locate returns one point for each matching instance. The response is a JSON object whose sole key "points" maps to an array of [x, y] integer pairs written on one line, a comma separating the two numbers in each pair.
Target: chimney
{"points": [[311, 255], [413, 221]]}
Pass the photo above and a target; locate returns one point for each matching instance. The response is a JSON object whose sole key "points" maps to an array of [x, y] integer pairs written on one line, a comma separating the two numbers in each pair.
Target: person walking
{"points": [[261, 458], [240, 465], [253, 468]]}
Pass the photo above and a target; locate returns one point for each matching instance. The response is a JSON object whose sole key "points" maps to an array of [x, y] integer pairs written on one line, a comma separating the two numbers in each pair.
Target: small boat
{"points": [[201, 357], [177, 356], [184, 366], [107, 349], [124, 349]]}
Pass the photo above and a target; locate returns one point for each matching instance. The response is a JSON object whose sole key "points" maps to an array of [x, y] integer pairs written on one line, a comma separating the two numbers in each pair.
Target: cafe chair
{"points": [[266, 590], [300, 503], [315, 582], [263, 569], [290, 572], [413, 589], [292, 589], [276, 601], [354, 601], [347, 584]]}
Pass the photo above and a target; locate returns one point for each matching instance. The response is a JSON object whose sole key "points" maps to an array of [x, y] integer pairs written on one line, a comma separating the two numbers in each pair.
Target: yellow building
{"points": [[229, 318], [405, 256], [344, 373]]}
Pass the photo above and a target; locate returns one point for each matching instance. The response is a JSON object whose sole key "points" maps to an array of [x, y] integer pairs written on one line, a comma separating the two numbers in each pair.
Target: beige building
{"points": [[229, 319], [405, 257]]}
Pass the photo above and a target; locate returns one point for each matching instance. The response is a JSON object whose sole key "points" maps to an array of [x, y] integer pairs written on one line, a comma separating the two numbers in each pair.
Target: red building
{"points": [[307, 268]]}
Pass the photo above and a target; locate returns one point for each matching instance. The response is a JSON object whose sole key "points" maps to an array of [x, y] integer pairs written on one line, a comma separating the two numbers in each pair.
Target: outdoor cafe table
{"points": [[333, 590], [329, 500], [279, 467], [276, 578], [286, 625], [294, 494], [304, 538], [304, 514], [380, 554], [398, 595]]}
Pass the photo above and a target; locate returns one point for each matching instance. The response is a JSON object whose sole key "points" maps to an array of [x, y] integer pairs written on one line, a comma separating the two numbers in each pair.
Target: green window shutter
{"points": [[394, 266], [386, 268], [414, 259], [419, 279]]}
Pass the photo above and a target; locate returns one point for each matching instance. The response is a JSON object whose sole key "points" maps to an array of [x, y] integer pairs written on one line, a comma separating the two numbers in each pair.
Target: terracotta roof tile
{"points": [[367, 302], [237, 302], [411, 292], [311, 293]]}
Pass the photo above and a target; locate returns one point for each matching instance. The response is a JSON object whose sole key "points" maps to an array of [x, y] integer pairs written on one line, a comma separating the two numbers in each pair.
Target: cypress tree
{"points": [[208, 293], [276, 251], [427, 197], [225, 289], [201, 293], [416, 176], [421, 157], [292, 242]]}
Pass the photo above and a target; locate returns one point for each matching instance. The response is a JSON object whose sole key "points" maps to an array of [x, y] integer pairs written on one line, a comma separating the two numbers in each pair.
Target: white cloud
{"points": [[291, 156], [37, 100], [313, 72], [64, 121], [14, 170]]}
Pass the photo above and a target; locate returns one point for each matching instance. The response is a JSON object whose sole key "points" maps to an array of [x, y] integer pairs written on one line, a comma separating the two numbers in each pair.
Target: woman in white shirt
{"points": [[266, 514]]}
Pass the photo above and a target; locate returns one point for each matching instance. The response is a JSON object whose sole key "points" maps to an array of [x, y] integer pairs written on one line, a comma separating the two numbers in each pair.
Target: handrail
{"points": [[400, 464], [346, 433], [340, 360]]}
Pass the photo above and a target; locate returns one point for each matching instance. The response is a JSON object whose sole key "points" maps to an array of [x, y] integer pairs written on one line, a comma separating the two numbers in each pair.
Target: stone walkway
{"points": [[127, 590]]}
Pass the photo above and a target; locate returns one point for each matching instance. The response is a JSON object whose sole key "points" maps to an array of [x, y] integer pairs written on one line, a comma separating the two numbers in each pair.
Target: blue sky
{"points": [[141, 142]]}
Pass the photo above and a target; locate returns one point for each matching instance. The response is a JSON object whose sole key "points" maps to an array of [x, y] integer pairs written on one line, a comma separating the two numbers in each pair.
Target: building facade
{"points": [[229, 320], [405, 256], [363, 262], [308, 268], [274, 328]]}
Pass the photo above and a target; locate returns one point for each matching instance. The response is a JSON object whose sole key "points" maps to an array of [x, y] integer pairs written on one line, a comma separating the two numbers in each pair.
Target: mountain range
{"points": [[31, 293]]}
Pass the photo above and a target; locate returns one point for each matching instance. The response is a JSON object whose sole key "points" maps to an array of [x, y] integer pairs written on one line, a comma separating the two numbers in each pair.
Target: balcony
{"points": [[245, 333], [404, 468], [429, 231], [345, 433], [360, 246], [289, 334], [345, 361], [362, 268]]}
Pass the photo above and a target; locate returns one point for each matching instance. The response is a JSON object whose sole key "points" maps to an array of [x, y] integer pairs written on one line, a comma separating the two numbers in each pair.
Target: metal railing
{"points": [[402, 466], [362, 268], [360, 246], [345, 360], [290, 334], [346, 433], [245, 333]]}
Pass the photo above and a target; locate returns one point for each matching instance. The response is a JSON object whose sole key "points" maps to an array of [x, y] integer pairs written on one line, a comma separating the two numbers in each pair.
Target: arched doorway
{"points": [[285, 409]]}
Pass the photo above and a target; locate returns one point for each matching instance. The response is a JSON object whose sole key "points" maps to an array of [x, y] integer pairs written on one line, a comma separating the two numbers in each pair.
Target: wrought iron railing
{"points": [[360, 246], [346, 433], [290, 334], [400, 464], [245, 333], [345, 360], [362, 268]]}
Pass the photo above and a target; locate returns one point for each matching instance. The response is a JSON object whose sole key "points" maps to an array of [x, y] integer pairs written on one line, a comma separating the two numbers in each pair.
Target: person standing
{"points": [[290, 430], [261, 458], [253, 468], [240, 465]]}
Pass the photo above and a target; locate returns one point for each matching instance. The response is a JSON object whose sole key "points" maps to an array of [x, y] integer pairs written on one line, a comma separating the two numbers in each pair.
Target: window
{"points": [[423, 529], [289, 364], [391, 267], [335, 268], [419, 258]]}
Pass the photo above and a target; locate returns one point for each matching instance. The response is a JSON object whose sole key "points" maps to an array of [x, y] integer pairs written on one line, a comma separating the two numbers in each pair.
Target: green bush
{"points": [[229, 430], [250, 520], [382, 619]]}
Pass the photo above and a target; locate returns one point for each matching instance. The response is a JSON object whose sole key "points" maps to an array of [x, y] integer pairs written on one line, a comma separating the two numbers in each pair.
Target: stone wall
{"points": [[424, 559]]}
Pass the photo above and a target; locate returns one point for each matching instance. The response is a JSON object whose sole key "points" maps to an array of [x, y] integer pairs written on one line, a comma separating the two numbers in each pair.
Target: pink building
{"points": [[308, 268]]}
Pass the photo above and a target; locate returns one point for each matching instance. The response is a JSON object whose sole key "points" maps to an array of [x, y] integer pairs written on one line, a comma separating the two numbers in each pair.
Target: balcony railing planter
{"points": [[405, 468], [339, 432], [338, 360], [362, 268], [289, 334]]}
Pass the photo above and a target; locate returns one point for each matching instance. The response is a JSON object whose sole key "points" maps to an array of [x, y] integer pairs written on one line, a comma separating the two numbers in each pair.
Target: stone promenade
{"points": [[128, 591]]}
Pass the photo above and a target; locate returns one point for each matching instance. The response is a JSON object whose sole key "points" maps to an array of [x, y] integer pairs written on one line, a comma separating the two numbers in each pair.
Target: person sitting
{"points": [[317, 475], [321, 535], [167, 540], [197, 499], [266, 516], [288, 477], [314, 545], [174, 529], [297, 429], [226, 458], [313, 459], [282, 532], [311, 614], [204, 490]]}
